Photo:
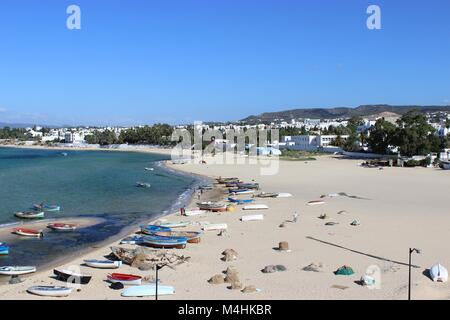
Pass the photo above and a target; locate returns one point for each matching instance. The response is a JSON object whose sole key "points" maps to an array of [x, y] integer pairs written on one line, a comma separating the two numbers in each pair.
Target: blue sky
{"points": [[171, 61]]}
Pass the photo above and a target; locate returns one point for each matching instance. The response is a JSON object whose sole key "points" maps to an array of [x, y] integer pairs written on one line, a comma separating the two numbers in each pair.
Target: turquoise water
{"points": [[84, 183]]}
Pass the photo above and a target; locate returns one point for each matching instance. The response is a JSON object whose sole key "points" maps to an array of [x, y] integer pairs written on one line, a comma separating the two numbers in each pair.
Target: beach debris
{"points": [[283, 246], [338, 286], [313, 267], [331, 223], [355, 223], [269, 269], [438, 272], [222, 233], [15, 280], [235, 286], [295, 217], [344, 271], [250, 289], [367, 281], [231, 270], [217, 279], [280, 267], [116, 286], [323, 216], [148, 257], [229, 255], [283, 225], [342, 212]]}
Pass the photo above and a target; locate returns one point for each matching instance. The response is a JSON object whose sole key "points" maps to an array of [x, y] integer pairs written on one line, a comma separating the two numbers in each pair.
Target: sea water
{"points": [[98, 184]]}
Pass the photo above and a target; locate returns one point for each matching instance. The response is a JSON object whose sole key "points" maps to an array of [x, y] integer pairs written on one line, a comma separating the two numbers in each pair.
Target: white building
{"points": [[310, 143]]}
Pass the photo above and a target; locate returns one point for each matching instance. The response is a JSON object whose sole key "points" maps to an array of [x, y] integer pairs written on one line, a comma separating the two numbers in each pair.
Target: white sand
{"points": [[407, 208]]}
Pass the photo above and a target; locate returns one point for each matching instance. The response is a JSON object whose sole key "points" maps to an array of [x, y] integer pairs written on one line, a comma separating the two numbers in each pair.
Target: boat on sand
{"points": [[256, 207], [164, 242], [252, 217], [212, 206], [315, 202], [125, 279], [28, 232], [438, 273], [62, 226], [147, 290], [214, 226], [191, 236], [50, 291], [153, 228], [103, 264], [71, 276], [16, 270]]}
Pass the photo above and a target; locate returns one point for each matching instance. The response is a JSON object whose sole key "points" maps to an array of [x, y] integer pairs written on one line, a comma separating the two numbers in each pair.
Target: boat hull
{"points": [[125, 279], [50, 291], [103, 264], [28, 233], [192, 237], [147, 290], [71, 277], [16, 270]]}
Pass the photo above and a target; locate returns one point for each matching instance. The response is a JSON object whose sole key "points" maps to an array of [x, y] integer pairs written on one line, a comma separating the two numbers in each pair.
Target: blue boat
{"points": [[240, 201], [46, 207], [4, 248], [148, 229], [131, 240], [165, 242]]}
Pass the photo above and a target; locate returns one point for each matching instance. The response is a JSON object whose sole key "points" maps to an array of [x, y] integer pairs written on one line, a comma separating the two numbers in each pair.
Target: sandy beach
{"points": [[397, 208]]}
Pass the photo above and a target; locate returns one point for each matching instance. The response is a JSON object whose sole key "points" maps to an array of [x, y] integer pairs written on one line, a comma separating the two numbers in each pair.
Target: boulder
{"points": [[216, 279], [249, 289], [283, 246], [269, 269]]}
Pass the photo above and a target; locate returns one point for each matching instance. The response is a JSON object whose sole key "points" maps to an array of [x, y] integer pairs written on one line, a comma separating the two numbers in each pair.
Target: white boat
{"points": [[30, 214], [253, 217], [16, 270], [180, 224], [215, 226], [438, 273], [149, 169], [194, 212], [249, 191], [284, 195], [103, 264], [50, 291], [255, 207], [147, 290]]}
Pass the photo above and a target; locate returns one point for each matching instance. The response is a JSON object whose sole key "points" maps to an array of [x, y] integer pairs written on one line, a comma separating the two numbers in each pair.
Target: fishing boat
{"points": [[256, 207], [194, 212], [62, 226], [65, 154], [267, 195], [241, 191], [143, 185], [438, 273], [131, 240], [16, 270], [30, 214], [125, 279], [252, 217], [179, 224], [103, 264], [147, 290], [165, 242], [232, 184], [215, 227], [28, 232], [71, 276], [212, 206], [50, 291], [46, 207], [227, 180], [445, 165], [149, 169], [283, 195], [191, 236], [315, 202], [240, 201], [4, 249], [153, 228], [206, 187], [253, 185]]}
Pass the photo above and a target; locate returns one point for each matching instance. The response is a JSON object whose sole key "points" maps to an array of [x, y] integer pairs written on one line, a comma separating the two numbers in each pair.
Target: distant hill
{"points": [[340, 112], [23, 125]]}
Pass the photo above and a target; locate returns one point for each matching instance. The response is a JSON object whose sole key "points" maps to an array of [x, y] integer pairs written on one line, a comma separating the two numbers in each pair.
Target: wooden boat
{"points": [[131, 240], [28, 232], [194, 212], [315, 202], [255, 207], [30, 214], [248, 186], [191, 236], [71, 276], [149, 169], [438, 273], [227, 180], [252, 217], [179, 224], [103, 264], [143, 185], [125, 279], [165, 243], [241, 191], [206, 187], [16, 270], [147, 290], [212, 206], [267, 195], [62, 226], [153, 228], [240, 201], [231, 184], [4, 249], [50, 291], [46, 207], [215, 227]]}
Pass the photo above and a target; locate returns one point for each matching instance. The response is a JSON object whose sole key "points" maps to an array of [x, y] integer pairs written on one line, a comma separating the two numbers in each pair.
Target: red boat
{"points": [[28, 232], [62, 226], [125, 279]]}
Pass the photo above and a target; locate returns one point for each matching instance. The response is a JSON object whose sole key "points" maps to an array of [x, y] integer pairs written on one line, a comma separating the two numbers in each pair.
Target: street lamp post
{"points": [[411, 250], [158, 267]]}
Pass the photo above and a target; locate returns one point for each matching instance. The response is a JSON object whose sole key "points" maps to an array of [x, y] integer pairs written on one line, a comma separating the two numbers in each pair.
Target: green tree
{"points": [[381, 135]]}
